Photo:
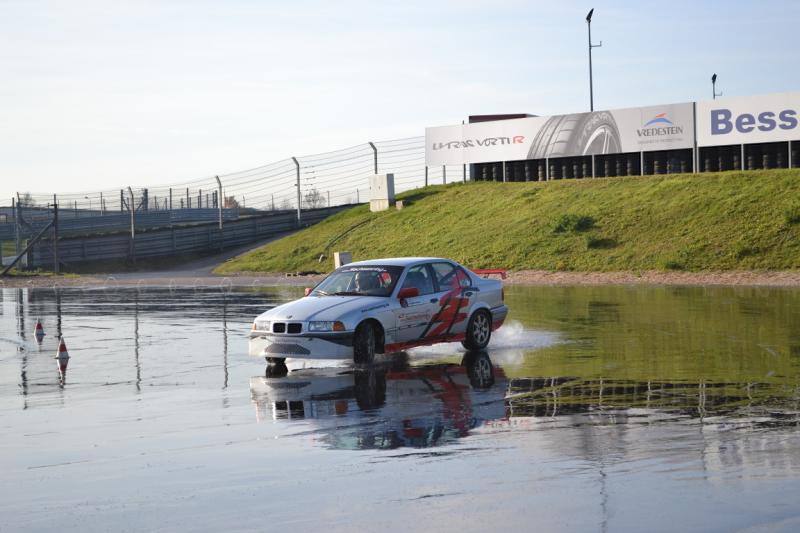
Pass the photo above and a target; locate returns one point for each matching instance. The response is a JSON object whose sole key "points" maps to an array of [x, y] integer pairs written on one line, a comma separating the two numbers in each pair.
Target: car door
{"points": [[415, 314], [453, 298]]}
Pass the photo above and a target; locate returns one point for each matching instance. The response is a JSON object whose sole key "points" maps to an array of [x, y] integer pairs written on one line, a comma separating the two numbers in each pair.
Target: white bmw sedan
{"points": [[382, 306]]}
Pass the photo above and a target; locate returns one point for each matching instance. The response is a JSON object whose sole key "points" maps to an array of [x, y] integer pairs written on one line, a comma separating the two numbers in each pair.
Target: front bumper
{"points": [[335, 345]]}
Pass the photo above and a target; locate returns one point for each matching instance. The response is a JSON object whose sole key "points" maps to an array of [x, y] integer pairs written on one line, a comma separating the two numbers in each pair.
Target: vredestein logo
{"points": [[658, 126], [472, 143]]}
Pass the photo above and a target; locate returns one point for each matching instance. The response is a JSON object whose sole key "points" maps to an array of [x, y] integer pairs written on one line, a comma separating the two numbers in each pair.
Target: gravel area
{"points": [[194, 278]]}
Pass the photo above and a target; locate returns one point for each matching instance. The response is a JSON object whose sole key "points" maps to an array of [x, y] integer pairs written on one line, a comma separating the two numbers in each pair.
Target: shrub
{"points": [[674, 265], [572, 222], [747, 251], [593, 242], [792, 215]]}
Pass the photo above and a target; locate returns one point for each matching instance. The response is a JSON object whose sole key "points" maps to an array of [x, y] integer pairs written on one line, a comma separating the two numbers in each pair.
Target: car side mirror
{"points": [[307, 291], [408, 292]]}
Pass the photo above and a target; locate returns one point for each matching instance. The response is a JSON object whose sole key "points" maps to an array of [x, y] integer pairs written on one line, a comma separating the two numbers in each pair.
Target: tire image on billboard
{"points": [[577, 134]]}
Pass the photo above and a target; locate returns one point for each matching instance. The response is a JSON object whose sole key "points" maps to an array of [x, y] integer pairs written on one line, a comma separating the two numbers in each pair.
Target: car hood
{"points": [[322, 307]]}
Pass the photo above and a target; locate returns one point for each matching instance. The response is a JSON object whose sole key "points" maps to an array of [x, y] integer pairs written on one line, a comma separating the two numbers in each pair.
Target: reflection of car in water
{"points": [[388, 406]]}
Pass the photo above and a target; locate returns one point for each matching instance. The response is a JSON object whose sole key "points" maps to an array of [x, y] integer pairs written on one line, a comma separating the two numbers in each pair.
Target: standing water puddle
{"points": [[594, 408]]}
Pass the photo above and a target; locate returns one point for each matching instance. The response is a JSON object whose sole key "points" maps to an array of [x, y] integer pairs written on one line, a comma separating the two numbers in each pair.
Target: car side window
{"points": [[450, 277], [420, 278]]}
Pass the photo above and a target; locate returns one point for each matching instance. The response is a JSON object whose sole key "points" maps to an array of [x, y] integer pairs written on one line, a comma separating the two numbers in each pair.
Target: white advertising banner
{"points": [[751, 119], [667, 127]]}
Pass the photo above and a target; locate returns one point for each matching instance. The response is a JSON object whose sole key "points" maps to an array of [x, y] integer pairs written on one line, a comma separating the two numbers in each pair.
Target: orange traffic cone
{"points": [[39, 331]]}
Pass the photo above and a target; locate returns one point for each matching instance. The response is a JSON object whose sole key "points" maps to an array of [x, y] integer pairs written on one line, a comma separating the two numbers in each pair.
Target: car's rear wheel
{"points": [[364, 344], [479, 330], [479, 370]]}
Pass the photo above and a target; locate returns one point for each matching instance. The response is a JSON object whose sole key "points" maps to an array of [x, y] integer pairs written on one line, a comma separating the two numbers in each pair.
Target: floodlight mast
{"points": [[714, 92], [591, 88]]}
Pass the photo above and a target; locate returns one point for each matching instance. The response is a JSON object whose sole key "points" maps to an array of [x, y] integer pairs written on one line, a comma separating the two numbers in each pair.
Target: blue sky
{"points": [[110, 93]]}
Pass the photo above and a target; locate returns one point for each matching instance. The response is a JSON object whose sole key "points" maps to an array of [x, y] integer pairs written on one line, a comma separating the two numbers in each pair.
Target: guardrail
{"points": [[116, 222], [177, 240]]}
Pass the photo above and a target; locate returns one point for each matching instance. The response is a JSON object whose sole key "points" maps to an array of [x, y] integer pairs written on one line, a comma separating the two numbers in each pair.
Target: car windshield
{"points": [[372, 280]]}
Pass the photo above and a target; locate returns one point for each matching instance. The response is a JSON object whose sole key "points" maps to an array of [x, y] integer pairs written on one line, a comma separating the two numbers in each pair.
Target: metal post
{"points": [[17, 238], [102, 204], [591, 89], [121, 201], [199, 198], [375, 155], [299, 215], [219, 203], [188, 205], [273, 201], [133, 225], [464, 172], [56, 267], [170, 198], [594, 175], [695, 150], [546, 169], [742, 158], [426, 175], [444, 174], [790, 154], [641, 163], [504, 172]]}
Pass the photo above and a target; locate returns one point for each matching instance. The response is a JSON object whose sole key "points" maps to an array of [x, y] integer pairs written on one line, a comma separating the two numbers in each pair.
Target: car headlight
{"points": [[261, 325], [327, 325]]}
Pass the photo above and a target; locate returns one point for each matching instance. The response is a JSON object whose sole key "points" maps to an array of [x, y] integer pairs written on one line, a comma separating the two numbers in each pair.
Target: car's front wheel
{"points": [[276, 370], [479, 330], [364, 344]]}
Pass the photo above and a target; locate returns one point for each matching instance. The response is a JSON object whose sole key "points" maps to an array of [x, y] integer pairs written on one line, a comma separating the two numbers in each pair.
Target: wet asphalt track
{"points": [[606, 408]]}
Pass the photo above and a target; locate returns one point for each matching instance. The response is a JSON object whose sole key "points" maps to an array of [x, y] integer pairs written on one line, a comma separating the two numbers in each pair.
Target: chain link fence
{"points": [[319, 180], [308, 183]]}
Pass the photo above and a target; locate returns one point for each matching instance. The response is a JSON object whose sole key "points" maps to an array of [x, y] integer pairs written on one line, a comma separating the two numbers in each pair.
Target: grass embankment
{"points": [[710, 222]]}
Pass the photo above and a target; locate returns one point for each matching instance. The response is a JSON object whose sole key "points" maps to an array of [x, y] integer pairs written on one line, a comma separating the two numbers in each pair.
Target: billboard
{"points": [[666, 127], [751, 119]]}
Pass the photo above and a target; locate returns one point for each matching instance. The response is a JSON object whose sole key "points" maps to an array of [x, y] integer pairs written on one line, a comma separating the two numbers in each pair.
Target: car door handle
{"points": [[434, 300]]}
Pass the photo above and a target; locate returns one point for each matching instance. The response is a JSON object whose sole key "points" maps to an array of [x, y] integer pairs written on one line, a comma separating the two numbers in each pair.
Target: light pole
{"points": [[591, 90], [714, 92], [90, 203]]}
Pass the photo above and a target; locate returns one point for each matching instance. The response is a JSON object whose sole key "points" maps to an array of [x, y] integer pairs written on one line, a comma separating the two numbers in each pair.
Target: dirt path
{"points": [[199, 274], [733, 278]]}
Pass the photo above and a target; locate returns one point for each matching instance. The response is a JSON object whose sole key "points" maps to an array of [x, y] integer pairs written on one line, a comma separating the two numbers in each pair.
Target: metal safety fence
{"points": [[171, 241], [294, 185], [318, 180]]}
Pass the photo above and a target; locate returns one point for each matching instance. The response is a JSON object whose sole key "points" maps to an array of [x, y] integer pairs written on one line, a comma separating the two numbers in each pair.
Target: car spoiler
{"points": [[486, 272]]}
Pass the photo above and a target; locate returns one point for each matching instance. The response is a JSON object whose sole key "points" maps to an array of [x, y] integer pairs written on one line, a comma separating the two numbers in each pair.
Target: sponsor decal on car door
{"points": [[453, 301]]}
